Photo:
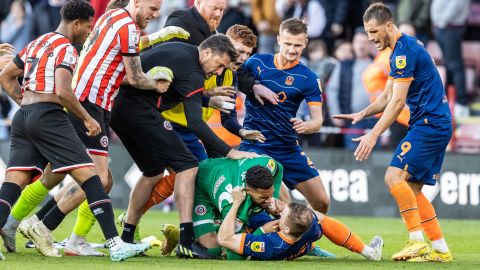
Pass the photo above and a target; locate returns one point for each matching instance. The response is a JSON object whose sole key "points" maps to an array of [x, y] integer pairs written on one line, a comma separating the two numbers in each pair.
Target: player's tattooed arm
{"points": [[9, 81], [135, 75]]}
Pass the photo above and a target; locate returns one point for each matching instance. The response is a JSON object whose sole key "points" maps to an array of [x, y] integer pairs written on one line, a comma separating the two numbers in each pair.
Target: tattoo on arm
{"points": [[138, 78]]}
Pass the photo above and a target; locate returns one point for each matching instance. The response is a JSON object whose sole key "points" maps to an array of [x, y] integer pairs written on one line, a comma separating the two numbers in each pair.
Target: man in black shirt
{"points": [[150, 139]]}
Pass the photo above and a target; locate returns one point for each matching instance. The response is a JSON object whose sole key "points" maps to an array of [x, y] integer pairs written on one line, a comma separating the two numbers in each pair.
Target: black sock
{"points": [[101, 206], [9, 194], [53, 218], [186, 233], [46, 208], [128, 233]]}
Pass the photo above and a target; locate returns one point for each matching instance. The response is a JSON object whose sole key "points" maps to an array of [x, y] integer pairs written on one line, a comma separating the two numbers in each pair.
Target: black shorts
{"points": [[97, 145], [42, 133], [149, 138]]}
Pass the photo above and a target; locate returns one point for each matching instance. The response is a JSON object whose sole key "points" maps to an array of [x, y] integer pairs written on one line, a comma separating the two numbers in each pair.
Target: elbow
{"points": [[221, 240]]}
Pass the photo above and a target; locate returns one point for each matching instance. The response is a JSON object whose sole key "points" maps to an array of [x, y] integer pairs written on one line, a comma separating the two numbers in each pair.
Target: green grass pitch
{"points": [[463, 237]]}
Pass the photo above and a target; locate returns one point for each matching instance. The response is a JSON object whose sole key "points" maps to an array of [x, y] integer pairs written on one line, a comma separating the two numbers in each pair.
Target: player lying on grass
{"points": [[298, 228]]}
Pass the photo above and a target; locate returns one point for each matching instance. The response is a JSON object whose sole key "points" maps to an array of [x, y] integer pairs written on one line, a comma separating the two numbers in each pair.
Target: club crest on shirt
{"points": [[289, 80], [167, 125], [401, 61]]}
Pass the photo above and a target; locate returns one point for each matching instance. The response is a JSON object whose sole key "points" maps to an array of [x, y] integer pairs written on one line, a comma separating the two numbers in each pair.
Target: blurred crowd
{"points": [[351, 71]]}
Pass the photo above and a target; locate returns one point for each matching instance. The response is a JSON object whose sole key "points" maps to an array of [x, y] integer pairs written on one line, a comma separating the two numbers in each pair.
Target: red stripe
{"points": [[33, 53], [100, 202], [74, 167], [94, 51], [98, 153], [195, 91]]}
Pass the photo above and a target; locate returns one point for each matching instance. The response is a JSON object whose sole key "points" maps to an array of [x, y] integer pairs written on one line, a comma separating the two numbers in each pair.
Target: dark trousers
{"points": [[450, 41]]}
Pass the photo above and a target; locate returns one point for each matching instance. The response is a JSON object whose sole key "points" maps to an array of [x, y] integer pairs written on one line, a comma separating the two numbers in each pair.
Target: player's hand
{"points": [[238, 195], [167, 33], [6, 48], [160, 73], [224, 104], [275, 206], [271, 226], [4, 60], [367, 143], [261, 93], [300, 126], [253, 135], [220, 91], [235, 154], [162, 86], [93, 127], [354, 117]]}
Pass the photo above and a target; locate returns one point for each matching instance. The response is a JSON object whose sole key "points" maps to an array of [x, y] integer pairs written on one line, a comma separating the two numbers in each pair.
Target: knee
{"points": [[321, 204], [393, 177], [209, 240]]}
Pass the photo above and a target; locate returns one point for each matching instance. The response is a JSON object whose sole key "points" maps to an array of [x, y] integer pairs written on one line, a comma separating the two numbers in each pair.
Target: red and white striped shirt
{"points": [[101, 69], [41, 57]]}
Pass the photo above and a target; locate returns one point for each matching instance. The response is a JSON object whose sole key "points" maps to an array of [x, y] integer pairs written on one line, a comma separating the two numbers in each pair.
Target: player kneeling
{"points": [[298, 228]]}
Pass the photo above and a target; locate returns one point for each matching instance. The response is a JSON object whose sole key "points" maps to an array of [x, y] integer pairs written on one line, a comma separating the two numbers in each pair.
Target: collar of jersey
{"points": [[286, 239], [397, 37], [275, 61]]}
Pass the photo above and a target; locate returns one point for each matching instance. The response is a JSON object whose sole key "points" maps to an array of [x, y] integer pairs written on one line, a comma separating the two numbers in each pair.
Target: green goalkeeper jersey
{"points": [[217, 178]]}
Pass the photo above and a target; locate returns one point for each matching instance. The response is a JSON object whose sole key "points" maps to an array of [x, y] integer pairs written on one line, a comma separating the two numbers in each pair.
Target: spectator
{"points": [[417, 14], [319, 60], [336, 16], [449, 19], [232, 15], [45, 17], [310, 10], [346, 92], [267, 22], [343, 50], [15, 28]]}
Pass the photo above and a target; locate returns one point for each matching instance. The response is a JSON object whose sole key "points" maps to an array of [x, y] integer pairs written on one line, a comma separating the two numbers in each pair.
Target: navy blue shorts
{"points": [[422, 150], [297, 167], [192, 142]]}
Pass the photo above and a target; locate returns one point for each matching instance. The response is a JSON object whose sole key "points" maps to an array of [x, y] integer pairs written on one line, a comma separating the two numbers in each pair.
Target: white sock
{"points": [[368, 252], [440, 245], [416, 235], [12, 222], [115, 243]]}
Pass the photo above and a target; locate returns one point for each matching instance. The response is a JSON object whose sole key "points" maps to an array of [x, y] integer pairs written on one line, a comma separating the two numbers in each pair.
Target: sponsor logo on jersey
{"points": [[104, 141], [167, 125], [271, 165], [289, 80], [258, 246], [200, 210], [401, 61], [217, 184], [135, 36]]}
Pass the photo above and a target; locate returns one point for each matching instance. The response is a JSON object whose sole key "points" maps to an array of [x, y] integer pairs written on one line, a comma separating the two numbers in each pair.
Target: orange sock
{"points": [[341, 235], [428, 218], [162, 190], [407, 203]]}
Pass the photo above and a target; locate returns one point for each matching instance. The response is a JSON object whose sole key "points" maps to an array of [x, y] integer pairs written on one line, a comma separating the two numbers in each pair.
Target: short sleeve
{"points": [[256, 246], [67, 58], [313, 91], [21, 58], [129, 38], [402, 64]]}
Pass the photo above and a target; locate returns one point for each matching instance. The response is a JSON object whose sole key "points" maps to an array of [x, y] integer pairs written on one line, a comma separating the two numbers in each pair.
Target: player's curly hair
{"points": [[259, 177], [378, 12], [294, 26], [219, 44], [77, 10], [299, 219], [117, 4], [242, 34]]}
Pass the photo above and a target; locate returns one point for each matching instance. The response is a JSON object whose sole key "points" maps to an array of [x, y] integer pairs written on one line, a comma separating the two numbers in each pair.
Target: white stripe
{"points": [[39, 54], [73, 167], [201, 222], [110, 35], [50, 69], [21, 168]]}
